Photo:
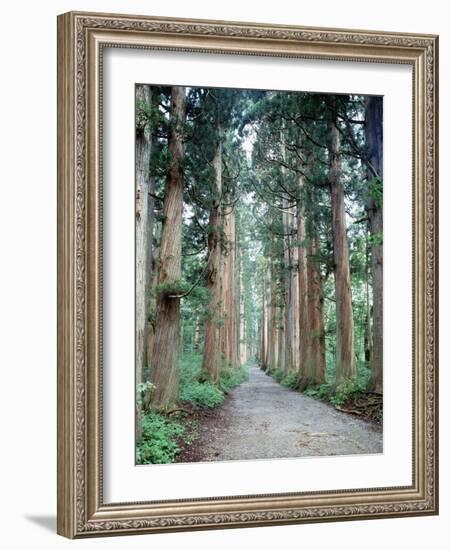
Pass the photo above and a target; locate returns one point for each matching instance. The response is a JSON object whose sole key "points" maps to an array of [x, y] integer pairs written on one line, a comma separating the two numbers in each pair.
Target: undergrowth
{"points": [[337, 395], [290, 381], [197, 390], [344, 392], [287, 380], [277, 374], [192, 390], [164, 436], [160, 439]]}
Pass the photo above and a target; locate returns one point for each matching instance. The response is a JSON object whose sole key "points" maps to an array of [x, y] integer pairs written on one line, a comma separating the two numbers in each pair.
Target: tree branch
{"points": [[196, 252], [197, 282]]}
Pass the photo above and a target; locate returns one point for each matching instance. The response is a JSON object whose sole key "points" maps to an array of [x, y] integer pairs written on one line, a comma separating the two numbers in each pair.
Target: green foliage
{"points": [[200, 392], [190, 366], [160, 162], [345, 391], [160, 439], [203, 394], [142, 389], [201, 294], [146, 114], [233, 376], [151, 317], [322, 392], [376, 238], [290, 381], [144, 386], [163, 436], [339, 395], [375, 191], [277, 374]]}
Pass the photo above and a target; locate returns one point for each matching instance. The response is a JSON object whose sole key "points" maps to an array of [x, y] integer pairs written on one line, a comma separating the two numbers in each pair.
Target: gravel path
{"points": [[262, 419]]}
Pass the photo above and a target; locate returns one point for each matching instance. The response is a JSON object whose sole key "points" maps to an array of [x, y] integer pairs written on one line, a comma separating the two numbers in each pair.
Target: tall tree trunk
{"points": [[302, 290], [144, 232], [211, 354], [281, 335], [259, 340], [368, 342], [316, 349], [237, 301], [266, 319], [294, 306], [269, 323], [272, 359], [262, 347], [291, 291], [156, 249], [290, 252], [242, 344], [345, 354], [197, 332], [273, 363], [374, 144], [164, 369], [229, 289]]}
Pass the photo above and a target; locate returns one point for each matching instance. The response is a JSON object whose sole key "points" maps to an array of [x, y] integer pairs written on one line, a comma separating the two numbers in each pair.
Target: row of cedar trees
{"points": [[336, 139], [306, 148], [168, 122]]}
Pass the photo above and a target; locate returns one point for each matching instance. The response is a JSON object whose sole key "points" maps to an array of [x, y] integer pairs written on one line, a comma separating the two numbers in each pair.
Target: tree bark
{"points": [[237, 301], [294, 306], [196, 345], [374, 144], [262, 347], [242, 343], [345, 354], [228, 329], [291, 282], [144, 232], [368, 341], [302, 291], [156, 249], [164, 368], [272, 355], [281, 336], [266, 328], [211, 353], [316, 348]]}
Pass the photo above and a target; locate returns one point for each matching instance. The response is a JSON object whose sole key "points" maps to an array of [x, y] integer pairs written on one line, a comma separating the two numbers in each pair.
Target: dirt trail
{"points": [[262, 419]]}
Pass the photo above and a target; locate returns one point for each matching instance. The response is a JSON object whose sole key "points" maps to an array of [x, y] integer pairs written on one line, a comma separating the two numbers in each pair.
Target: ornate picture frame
{"points": [[82, 38]]}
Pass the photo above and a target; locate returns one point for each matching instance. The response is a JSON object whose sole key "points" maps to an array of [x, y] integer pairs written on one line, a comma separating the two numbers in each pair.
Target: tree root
{"points": [[368, 405], [179, 409]]}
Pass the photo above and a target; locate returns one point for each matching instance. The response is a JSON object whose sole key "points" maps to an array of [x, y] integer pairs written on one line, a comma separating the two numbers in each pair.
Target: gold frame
{"points": [[81, 37]]}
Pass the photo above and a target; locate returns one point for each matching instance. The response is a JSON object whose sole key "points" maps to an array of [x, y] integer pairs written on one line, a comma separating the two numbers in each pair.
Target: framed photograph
{"points": [[247, 283]]}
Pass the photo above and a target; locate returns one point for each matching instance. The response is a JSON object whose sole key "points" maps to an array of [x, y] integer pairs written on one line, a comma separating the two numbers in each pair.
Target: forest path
{"points": [[262, 419]]}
